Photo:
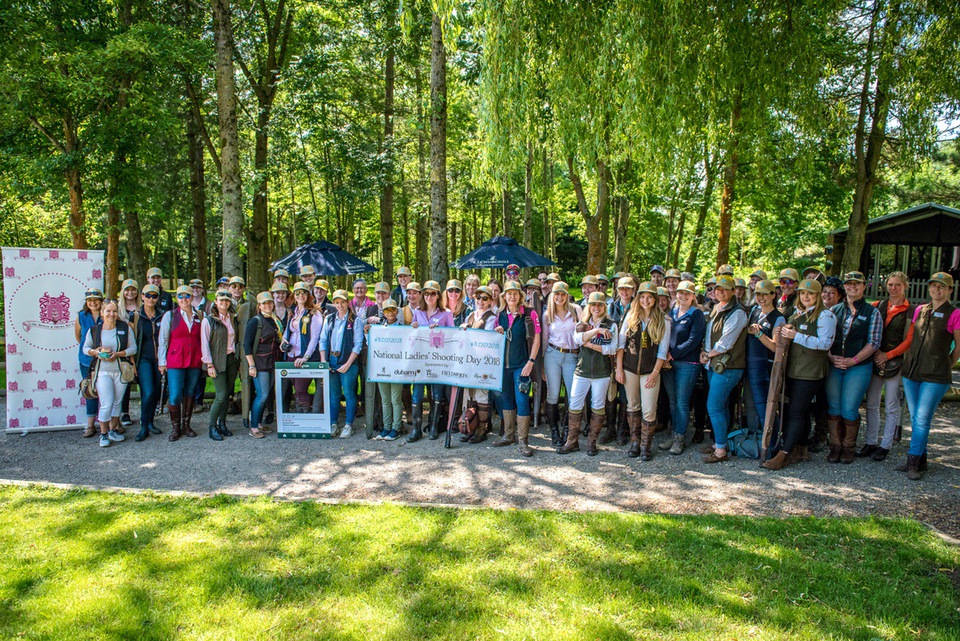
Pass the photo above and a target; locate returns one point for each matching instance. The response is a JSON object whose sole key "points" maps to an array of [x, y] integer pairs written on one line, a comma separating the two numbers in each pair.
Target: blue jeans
{"points": [[718, 407], [437, 393], [846, 389], [93, 404], [558, 366], [679, 380], [148, 377], [922, 400], [345, 384], [511, 399], [262, 384], [758, 377], [181, 381]]}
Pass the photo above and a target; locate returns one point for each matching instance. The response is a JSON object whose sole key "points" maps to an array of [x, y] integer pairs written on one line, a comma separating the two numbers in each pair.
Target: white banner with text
{"points": [[471, 358]]}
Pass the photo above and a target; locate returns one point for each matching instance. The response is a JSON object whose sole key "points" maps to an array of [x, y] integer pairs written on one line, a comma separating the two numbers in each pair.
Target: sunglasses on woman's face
{"points": [[483, 298], [431, 294], [152, 296], [182, 296], [710, 289]]}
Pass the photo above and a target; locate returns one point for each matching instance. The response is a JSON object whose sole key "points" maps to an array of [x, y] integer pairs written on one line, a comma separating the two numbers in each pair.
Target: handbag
{"points": [[128, 373], [88, 386]]}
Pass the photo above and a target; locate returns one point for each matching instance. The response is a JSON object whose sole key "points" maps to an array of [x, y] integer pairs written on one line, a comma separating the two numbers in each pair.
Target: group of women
{"points": [[657, 345]]}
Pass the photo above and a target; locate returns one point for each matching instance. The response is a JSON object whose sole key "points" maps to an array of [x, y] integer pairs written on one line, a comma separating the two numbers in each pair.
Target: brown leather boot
{"points": [[798, 455], [187, 415], [91, 430], [778, 462], [647, 430], [610, 424], [523, 435], [573, 433], [597, 421], [623, 428], [848, 450], [509, 429], [175, 419], [483, 423], [835, 428], [635, 422]]}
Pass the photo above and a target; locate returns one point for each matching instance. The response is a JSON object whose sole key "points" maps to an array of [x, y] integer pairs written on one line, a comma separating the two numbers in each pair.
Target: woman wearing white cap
{"points": [[687, 328], [928, 367], [110, 343], [88, 318]]}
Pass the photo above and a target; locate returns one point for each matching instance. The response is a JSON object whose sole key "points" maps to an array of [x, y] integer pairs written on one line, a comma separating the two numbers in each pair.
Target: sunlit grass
{"points": [[93, 565]]}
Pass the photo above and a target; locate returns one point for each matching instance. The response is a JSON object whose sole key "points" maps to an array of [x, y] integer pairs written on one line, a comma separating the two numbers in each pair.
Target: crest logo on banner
{"points": [[43, 292]]}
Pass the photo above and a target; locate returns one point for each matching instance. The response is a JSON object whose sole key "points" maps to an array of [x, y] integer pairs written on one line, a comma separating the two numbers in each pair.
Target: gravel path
{"points": [[424, 472]]}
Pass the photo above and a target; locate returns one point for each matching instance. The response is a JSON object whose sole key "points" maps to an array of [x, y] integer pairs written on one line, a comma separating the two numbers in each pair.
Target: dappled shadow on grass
{"points": [[162, 567]]}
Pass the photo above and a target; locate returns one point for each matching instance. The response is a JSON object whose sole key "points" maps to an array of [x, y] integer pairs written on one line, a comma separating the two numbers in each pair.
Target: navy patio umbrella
{"points": [[327, 258], [500, 251]]}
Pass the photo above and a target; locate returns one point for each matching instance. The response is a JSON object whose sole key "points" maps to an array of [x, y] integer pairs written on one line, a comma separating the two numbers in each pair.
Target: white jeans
{"points": [[110, 390], [891, 393], [639, 398], [597, 388]]}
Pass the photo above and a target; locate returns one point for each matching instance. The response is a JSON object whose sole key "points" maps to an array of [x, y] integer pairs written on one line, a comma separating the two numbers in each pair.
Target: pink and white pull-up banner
{"points": [[43, 291]]}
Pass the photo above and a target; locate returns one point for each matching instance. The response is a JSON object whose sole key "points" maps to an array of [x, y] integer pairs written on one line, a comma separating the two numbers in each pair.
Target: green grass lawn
{"points": [[91, 565]]}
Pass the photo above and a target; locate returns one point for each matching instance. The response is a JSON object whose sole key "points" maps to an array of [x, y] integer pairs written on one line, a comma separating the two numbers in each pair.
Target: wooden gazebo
{"points": [[917, 241]]}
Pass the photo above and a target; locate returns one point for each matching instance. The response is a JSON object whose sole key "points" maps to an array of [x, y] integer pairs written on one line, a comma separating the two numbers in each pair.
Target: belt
{"points": [[563, 350], [337, 354]]}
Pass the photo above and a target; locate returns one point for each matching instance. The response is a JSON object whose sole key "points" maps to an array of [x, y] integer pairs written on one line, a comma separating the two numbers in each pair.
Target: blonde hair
{"points": [[585, 316], [899, 275], [550, 314], [656, 325]]}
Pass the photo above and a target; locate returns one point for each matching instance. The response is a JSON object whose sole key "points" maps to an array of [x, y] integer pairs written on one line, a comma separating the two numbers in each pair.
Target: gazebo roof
{"points": [[929, 224]]}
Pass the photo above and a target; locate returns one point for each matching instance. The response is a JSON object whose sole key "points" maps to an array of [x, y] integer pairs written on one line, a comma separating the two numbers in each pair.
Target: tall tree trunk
{"points": [[592, 221], [621, 253], [729, 181], [709, 179], [231, 194], [78, 235], [422, 268], [528, 199], [112, 261], [386, 193], [258, 252], [506, 208], [438, 153], [198, 196], [547, 246], [867, 145]]}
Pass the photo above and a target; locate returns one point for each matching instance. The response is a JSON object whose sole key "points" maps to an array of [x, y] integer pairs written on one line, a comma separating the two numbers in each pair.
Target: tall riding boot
{"points": [[483, 423], [597, 421], [417, 415], [509, 429], [573, 433], [553, 420], [623, 427], [610, 424], [848, 450], [634, 419], [523, 435], [647, 429], [437, 416], [835, 428], [187, 415], [564, 420], [464, 430], [175, 420]]}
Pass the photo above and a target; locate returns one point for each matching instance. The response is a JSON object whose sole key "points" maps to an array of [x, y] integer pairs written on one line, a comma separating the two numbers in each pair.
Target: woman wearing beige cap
{"points": [[110, 343], [180, 359], [928, 367], [560, 359], [763, 319], [811, 331], [261, 347], [483, 317], [687, 327], [87, 318]]}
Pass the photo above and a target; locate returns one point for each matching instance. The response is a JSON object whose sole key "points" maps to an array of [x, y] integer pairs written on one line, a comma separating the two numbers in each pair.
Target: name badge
{"points": [[938, 314], [803, 327], [861, 318], [683, 322]]}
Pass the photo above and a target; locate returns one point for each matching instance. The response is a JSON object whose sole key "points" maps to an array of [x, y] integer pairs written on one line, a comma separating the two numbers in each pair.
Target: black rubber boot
{"points": [[553, 420], [215, 434], [417, 416], [143, 433], [223, 429], [434, 420]]}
